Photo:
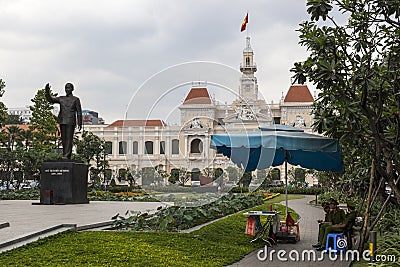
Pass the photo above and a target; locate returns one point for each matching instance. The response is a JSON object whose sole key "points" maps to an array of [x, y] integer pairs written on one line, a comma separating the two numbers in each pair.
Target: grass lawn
{"points": [[217, 244]]}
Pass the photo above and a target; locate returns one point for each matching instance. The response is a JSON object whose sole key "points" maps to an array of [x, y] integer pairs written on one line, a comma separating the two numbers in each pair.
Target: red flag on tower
{"points": [[244, 23]]}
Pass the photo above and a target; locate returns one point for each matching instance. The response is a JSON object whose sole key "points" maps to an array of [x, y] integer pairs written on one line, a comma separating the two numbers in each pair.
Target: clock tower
{"points": [[248, 90]]}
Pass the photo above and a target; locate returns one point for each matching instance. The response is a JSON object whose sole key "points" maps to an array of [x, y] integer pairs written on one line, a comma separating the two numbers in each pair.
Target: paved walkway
{"points": [[308, 234], [25, 218]]}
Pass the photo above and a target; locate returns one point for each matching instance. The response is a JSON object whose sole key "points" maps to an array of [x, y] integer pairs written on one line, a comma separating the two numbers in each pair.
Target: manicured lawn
{"points": [[217, 244]]}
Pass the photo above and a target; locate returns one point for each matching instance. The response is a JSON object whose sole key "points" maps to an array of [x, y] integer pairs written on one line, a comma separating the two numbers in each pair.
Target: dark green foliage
{"points": [[245, 180], [319, 8], [3, 108], [43, 124], [174, 176], [238, 189], [389, 242], [23, 194], [92, 150], [98, 195], [218, 172], [389, 221], [179, 218], [14, 119], [356, 67]]}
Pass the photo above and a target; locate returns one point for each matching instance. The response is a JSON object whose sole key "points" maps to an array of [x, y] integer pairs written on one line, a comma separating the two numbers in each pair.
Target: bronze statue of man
{"points": [[70, 115]]}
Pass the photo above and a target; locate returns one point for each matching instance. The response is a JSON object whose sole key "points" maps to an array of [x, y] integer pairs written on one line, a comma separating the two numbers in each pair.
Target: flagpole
{"points": [[247, 28]]}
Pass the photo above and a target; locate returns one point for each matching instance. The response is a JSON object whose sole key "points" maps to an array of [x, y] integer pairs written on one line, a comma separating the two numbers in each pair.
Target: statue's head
{"points": [[69, 87]]}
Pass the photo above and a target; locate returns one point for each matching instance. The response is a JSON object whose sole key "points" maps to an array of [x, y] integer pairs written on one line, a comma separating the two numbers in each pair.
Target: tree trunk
{"points": [[366, 216]]}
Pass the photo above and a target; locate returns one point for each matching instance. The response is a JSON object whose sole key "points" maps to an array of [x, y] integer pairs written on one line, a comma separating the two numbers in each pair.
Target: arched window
{"points": [[108, 148], [175, 147], [196, 146], [135, 147], [247, 61], [122, 147], [148, 147], [162, 147]]}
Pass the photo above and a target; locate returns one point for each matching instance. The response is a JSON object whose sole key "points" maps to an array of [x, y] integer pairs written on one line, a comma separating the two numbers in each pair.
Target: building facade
{"points": [[25, 113], [90, 117], [138, 144]]}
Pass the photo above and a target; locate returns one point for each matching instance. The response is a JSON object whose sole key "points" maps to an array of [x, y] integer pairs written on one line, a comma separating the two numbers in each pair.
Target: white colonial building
{"points": [[137, 144]]}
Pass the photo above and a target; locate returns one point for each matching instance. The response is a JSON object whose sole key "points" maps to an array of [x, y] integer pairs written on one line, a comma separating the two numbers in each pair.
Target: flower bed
{"points": [[176, 218]]}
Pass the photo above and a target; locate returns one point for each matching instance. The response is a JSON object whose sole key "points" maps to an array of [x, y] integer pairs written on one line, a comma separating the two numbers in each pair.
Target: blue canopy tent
{"points": [[278, 144]]}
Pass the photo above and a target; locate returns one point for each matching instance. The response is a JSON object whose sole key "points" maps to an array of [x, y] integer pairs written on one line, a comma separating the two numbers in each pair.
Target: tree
{"points": [[131, 177], [14, 119], [173, 176], [163, 175], [208, 172], [122, 174], [27, 136], [184, 176], [274, 174], [357, 66], [14, 136], [3, 108], [217, 173], [245, 180], [43, 124], [8, 164], [31, 161], [91, 149]]}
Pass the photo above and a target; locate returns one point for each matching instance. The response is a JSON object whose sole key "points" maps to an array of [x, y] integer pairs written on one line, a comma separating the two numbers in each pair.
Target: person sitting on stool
{"points": [[347, 224], [337, 216], [326, 220]]}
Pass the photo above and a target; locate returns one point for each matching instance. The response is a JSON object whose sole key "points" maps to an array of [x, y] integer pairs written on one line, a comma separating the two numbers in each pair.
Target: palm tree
{"points": [[14, 135], [27, 136]]}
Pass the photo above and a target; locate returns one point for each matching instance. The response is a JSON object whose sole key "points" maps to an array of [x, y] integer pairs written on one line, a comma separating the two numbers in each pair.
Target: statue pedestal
{"points": [[63, 182]]}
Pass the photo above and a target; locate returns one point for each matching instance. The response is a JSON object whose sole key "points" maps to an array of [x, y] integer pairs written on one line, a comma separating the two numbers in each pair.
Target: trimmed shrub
{"points": [[291, 190], [22, 194]]}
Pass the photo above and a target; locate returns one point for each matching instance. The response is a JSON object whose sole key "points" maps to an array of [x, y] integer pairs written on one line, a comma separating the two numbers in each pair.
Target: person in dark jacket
{"points": [[70, 115]]}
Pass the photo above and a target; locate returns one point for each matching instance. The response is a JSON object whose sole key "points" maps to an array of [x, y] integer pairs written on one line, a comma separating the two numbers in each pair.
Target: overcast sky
{"points": [[110, 49]]}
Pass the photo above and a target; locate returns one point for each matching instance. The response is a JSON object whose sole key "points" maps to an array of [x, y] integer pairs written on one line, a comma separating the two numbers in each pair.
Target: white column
{"points": [[141, 151], [157, 142], [186, 146], [115, 143], [206, 146], [168, 145], [129, 148]]}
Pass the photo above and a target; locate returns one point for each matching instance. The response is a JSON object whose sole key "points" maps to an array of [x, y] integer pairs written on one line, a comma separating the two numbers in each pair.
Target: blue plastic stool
{"points": [[339, 242]]}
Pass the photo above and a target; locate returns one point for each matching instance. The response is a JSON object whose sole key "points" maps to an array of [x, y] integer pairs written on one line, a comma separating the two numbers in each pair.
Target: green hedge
{"points": [[109, 196], [22, 194], [239, 189], [302, 191], [121, 188], [291, 190]]}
